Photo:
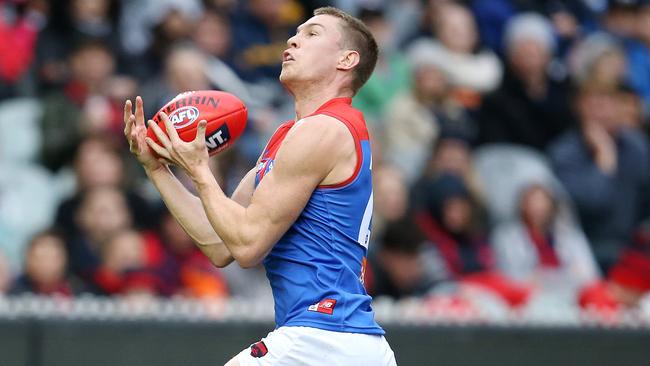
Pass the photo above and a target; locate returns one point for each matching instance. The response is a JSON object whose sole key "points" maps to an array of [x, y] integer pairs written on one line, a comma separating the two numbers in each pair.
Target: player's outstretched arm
{"points": [[316, 151], [183, 205]]}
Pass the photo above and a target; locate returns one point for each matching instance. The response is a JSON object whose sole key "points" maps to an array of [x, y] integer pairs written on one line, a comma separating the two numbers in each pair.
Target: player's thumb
{"points": [[200, 132]]}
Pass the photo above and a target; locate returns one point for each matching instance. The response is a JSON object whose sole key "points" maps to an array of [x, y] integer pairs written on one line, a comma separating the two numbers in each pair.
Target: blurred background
{"points": [[511, 168]]}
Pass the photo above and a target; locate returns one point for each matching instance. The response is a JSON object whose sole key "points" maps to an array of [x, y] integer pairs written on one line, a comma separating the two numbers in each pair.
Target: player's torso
{"points": [[315, 269]]}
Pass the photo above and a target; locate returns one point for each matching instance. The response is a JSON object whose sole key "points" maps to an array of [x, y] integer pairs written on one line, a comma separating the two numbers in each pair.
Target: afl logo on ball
{"points": [[184, 116]]}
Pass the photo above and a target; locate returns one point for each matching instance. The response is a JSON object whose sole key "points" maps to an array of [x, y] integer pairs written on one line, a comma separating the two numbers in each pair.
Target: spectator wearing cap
{"points": [[605, 167], [599, 60], [530, 107], [418, 116]]}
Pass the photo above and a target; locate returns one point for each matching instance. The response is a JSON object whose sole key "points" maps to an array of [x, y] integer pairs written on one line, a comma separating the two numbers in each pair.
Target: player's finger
{"points": [[169, 126], [139, 111], [200, 133], [128, 124], [162, 137], [157, 148], [128, 110]]}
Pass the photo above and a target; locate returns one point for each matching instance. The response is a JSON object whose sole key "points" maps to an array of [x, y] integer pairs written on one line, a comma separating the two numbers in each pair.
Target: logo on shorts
{"points": [[259, 349], [325, 306], [184, 116]]}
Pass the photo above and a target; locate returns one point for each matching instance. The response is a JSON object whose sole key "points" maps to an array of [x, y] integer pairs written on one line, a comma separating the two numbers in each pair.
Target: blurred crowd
{"points": [[510, 140]]}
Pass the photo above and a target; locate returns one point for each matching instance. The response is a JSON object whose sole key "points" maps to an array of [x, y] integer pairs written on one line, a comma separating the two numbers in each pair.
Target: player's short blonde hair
{"points": [[357, 37]]}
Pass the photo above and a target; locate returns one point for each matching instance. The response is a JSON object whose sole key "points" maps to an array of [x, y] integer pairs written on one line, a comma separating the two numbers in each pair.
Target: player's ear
{"points": [[348, 60]]}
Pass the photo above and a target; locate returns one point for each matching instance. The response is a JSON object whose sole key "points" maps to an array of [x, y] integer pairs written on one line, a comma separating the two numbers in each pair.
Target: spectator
{"points": [[598, 60], [89, 103], [627, 283], [604, 166], [212, 35], [45, 267], [260, 31], [471, 70], [71, 24], [173, 24], [542, 244], [451, 155], [186, 271], [530, 107], [185, 69], [403, 265], [20, 22], [102, 213], [124, 265], [150, 27], [99, 163], [391, 76], [416, 118], [451, 221]]}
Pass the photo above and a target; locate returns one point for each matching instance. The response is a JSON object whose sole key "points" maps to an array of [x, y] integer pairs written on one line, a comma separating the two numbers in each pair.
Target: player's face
{"points": [[314, 51]]}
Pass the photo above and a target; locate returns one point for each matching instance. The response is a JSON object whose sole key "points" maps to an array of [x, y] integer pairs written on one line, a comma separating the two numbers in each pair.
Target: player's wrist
{"points": [[202, 176], [155, 169]]}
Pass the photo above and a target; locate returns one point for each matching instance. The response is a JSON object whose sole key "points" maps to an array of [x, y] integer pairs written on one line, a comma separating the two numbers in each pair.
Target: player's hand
{"points": [[190, 156], [135, 132]]}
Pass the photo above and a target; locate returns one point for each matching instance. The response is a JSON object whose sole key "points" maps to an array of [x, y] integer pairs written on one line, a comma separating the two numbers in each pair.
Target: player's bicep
{"points": [[305, 158]]}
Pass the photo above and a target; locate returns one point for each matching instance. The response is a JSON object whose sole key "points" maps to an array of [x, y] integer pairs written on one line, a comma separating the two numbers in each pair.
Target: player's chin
{"points": [[285, 75]]}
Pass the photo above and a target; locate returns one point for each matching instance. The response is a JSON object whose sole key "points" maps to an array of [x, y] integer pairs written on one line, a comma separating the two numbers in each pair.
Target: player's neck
{"points": [[307, 102]]}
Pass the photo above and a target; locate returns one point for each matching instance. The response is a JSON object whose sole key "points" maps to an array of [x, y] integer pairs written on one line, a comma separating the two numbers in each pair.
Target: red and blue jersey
{"points": [[316, 268]]}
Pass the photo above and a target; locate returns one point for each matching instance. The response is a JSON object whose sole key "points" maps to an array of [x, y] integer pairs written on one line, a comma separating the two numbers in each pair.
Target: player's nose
{"points": [[293, 42]]}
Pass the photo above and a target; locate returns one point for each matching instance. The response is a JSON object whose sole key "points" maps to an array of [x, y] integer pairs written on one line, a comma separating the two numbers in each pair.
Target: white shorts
{"points": [[298, 346]]}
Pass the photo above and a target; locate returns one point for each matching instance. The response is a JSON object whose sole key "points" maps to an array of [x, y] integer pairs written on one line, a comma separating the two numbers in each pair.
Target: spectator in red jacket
{"points": [[451, 221], [126, 265], [20, 21]]}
